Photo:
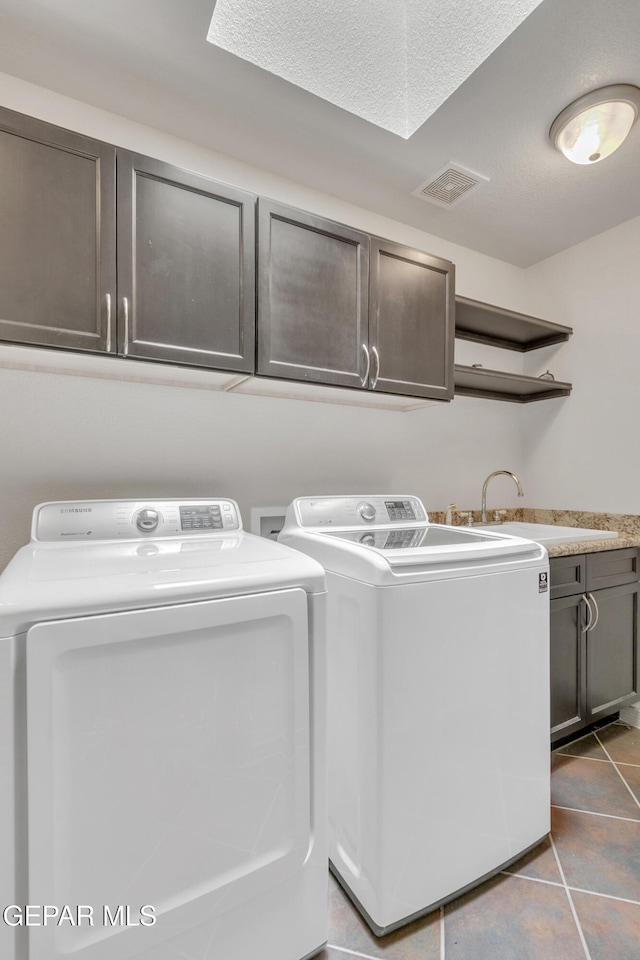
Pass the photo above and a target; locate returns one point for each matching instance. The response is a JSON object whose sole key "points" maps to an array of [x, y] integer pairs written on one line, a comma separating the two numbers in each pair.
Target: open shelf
{"points": [[484, 323], [513, 387]]}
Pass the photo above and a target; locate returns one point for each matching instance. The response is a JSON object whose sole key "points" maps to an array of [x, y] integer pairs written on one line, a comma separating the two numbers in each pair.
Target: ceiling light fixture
{"points": [[595, 125]]}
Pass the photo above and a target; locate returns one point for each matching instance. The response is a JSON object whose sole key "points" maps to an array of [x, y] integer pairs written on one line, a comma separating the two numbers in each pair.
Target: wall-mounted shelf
{"points": [[484, 323], [497, 385]]}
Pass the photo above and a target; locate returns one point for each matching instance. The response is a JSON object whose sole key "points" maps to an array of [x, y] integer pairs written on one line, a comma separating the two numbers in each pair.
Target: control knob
{"points": [[367, 511], [147, 520], [368, 539]]}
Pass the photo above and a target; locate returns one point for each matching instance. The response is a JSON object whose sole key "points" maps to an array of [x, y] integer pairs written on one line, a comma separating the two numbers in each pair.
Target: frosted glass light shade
{"points": [[592, 127]]}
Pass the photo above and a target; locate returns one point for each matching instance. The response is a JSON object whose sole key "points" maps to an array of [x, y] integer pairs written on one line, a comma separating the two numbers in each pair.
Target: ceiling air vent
{"points": [[449, 185]]}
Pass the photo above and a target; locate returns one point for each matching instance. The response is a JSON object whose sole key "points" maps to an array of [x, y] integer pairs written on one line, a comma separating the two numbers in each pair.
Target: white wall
{"points": [[584, 453], [69, 437]]}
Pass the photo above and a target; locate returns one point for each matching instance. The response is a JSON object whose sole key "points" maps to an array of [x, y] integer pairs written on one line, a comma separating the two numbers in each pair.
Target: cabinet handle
{"points": [[587, 625], [108, 298], [125, 307], [593, 624], [368, 359], [376, 357]]}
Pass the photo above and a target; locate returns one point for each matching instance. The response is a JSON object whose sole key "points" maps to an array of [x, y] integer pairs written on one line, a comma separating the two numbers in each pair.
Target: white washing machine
{"points": [[161, 738], [438, 699]]}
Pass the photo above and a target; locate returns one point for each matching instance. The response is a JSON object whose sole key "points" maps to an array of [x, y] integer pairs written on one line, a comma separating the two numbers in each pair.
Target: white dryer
{"points": [[161, 738], [438, 699]]}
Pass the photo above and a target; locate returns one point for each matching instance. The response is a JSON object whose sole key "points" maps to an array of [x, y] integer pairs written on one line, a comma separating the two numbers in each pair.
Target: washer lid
{"points": [[410, 538], [387, 539], [51, 581], [430, 544], [433, 552]]}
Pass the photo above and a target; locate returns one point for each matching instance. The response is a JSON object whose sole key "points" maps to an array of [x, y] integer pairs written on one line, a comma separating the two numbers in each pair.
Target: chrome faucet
{"points": [[497, 473]]}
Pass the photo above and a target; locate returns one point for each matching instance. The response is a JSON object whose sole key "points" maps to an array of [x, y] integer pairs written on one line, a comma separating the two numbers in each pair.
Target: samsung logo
{"points": [[76, 509]]}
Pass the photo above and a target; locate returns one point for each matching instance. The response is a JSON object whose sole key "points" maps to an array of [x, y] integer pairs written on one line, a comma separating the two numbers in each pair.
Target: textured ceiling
{"points": [[149, 60], [392, 62]]}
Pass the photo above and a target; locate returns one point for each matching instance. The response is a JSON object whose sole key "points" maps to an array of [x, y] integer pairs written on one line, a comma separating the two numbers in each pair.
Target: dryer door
{"points": [[168, 759]]}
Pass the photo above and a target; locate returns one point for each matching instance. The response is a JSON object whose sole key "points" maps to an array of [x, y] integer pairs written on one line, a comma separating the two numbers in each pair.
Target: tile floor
{"points": [[577, 897]]}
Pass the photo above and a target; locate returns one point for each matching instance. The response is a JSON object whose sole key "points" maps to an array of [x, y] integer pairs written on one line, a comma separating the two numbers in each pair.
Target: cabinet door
{"points": [[186, 267], [411, 330], [568, 678], [313, 278], [57, 242], [612, 651]]}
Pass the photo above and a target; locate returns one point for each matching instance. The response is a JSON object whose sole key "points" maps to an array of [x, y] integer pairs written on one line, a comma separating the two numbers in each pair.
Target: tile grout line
{"points": [[554, 883], [523, 876], [607, 759], [615, 767], [621, 775], [570, 899], [605, 896], [442, 943], [575, 756], [594, 813], [352, 953]]}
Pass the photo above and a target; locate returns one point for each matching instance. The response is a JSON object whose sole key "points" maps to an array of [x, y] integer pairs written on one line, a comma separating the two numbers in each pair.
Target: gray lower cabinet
{"points": [[568, 673], [57, 242], [612, 651], [595, 668], [186, 267], [337, 306]]}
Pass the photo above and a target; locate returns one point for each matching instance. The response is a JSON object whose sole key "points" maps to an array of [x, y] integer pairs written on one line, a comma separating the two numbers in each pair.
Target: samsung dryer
{"points": [[438, 699], [161, 738]]}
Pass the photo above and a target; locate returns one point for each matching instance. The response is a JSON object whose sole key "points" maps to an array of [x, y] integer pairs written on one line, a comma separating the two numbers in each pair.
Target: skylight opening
{"points": [[390, 62]]}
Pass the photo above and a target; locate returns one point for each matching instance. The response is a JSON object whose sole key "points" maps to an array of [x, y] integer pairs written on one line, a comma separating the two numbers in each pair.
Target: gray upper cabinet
{"points": [[186, 267], [338, 306], [313, 282], [57, 242], [108, 251], [411, 327]]}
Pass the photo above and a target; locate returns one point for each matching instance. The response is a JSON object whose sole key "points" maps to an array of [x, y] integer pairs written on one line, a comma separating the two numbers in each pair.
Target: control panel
{"points": [[133, 519], [400, 510], [365, 511]]}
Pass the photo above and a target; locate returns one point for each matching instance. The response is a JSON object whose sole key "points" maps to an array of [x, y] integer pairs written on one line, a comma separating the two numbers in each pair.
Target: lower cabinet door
{"points": [[568, 677], [612, 651], [169, 767]]}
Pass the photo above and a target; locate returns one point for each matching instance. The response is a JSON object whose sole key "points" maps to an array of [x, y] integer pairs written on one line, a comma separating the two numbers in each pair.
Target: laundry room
{"points": [[131, 134]]}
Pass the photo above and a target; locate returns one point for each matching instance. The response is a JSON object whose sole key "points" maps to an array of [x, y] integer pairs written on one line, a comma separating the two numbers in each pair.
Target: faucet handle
{"points": [[466, 515], [499, 515]]}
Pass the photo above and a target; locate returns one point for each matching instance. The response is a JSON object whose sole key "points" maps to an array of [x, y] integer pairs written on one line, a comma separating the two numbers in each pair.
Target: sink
{"points": [[548, 533]]}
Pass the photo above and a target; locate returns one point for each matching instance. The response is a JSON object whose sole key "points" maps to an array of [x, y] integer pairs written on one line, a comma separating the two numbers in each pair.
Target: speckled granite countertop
{"points": [[627, 526], [591, 546]]}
